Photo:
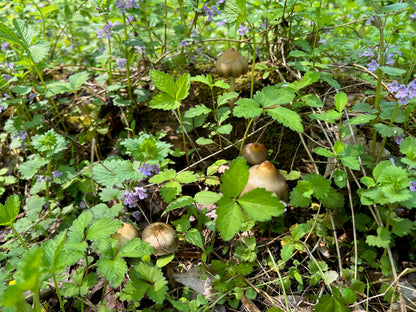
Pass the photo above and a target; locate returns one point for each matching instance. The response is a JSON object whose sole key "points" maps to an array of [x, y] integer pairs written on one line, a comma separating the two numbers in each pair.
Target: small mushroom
{"points": [[266, 176], [161, 237], [254, 153], [124, 234], [231, 64]]}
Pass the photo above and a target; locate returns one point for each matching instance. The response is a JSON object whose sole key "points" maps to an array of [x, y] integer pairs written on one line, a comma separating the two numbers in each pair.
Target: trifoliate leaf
{"points": [[287, 117], [235, 178], [182, 86], [163, 82], [113, 270], [76, 230], [164, 101], [260, 205], [229, 218]]}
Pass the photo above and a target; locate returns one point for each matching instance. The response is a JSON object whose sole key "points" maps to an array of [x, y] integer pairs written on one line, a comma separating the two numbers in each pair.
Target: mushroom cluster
{"points": [[266, 176], [124, 234], [254, 153]]}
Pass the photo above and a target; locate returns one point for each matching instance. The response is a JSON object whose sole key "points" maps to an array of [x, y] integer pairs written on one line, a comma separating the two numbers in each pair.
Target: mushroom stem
{"points": [[232, 89]]}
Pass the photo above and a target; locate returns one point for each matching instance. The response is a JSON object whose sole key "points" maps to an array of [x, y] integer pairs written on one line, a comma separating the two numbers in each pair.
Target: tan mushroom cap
{"points": [[254, 153], [124, 234], [266, 176], [161, 237], [231, 63]]}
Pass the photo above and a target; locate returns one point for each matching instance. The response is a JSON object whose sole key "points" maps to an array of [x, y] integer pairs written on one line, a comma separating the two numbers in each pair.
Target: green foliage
{"points": [[10, 210]]}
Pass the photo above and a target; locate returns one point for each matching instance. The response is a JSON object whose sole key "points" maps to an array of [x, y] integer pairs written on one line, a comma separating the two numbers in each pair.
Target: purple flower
{"points": [[221, 23], [22, 135], [124, 5], [210, 12], [139, 49], [83, 204], [412, 186], [56, 173], [242, 30], [390, 60], [106, 31], [11, 65], [39, 178], [121, 62], [7, 77], [399, 139], [367, 53], [393, 86], [130, 197], [4, 46], [373, 65], [183, 43], [411, 88], [146, 170], [130, 18]]}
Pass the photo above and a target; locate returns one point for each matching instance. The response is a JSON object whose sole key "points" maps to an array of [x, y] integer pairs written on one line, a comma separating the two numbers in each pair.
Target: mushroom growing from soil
{"points": [[266, 176], [161, 237], [124, 234], [231, 64], [254, 153]]}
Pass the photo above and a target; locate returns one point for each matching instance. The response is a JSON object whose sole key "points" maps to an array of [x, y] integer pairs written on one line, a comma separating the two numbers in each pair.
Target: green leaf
{"points": [[340, 178], [311, 100], [260, 205], [204, 141], [330, 116], [186, 177], [229, 218], [382, 239], [10, 210], [401, 227], [194, 237], [22, 90], [204, 79], [77, 80], [287, 251], [309, 78], [113, 270], [164, 101], [51, 143], [179, 202], [165, 175], [170, 190], [328, 303], [146, 148], [361, 119], [182, 86], [207, 197], [135, 248], [247, 108], [271, 96], [102, 228], [115, 172], [235, 178], [392, 71], [340, 101], [76, 230], [300, 231], [163, 82], [287, 117], [393, 7], [224, 98], [323, 152], [198, 110], [39, 51], [386, 131], [9, 35]]}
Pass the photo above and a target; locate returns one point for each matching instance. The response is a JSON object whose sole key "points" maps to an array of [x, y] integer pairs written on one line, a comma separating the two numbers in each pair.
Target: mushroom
{"points": [[231, 64], [124, 234], [161, 237], [254, 153], [266, 176]]}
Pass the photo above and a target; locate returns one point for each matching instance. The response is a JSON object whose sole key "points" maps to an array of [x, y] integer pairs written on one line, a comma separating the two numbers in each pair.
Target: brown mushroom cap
{"points": [[231, 63], [254, 153], [161, 237], [266, 176], [124, 234]]}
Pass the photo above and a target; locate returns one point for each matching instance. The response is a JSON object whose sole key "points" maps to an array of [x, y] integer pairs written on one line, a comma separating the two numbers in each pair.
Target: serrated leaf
{"points": [[224, 98], [194, 237], [204, 141], [207, 197], [135, 248], [10, 210], [311, 100], [113, 270], [323, 152], [76, 230], [382, 239], [300, 231], [386, 131], [198, 110], [39, 51], [235, 178], [182, 86], [247, 108], [102, 228], [270, 96], [78, 79], [58, 87], [329, 116], [260, 205], [163, 82], [204, 79], [22, 90], [361, 119], [286, 251], [165, 175], [170, 190], [287, 117], [186, 177], [179, 202], [9, 35], [221, 84], [115, 172], [309, 78], [229, 218], [26, 31], [30, 167], [340, 178], [164, 101]]}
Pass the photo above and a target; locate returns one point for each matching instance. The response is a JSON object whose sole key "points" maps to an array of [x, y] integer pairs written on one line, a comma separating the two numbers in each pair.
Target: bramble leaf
{"points": [[247, 108], [163, 82], [260, 205], [113, 270], [235, 178], [10, 210], [287, 117], [102, 228], [229, 218], [182, 86]]}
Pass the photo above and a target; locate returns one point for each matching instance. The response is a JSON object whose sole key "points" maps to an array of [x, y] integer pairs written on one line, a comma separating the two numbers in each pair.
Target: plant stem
{"points": [[245, 134], [383, 143], [61, 303], [19, 237], [183, 138], [126, 55]]}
